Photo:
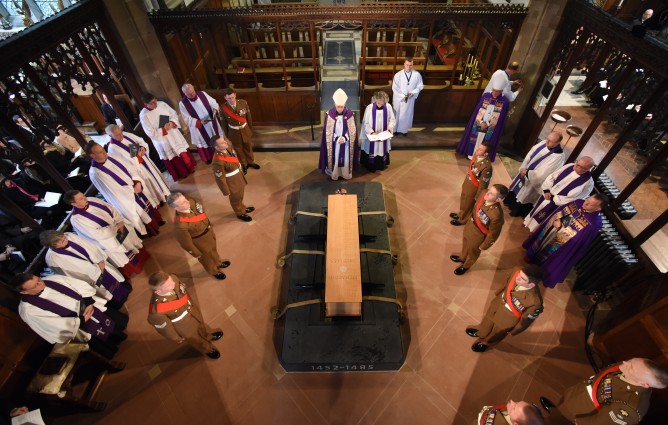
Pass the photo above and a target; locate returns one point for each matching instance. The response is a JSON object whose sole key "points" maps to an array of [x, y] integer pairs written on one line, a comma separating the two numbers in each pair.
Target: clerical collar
{"points": [[192, 99], [378, 108]]}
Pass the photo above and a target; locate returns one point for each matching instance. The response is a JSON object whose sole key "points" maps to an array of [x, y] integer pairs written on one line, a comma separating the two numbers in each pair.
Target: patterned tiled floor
{"points": [[442, 380]]}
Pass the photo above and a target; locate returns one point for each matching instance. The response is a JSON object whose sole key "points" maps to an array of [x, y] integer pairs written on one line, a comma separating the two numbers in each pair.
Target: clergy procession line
{"points": [[84, 300]]}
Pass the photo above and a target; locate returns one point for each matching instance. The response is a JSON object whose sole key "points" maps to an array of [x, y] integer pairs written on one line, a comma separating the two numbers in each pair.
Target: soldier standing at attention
{"points": [[475, 184], [175, 316], [230, 180], [194, 233], [237, 122], [483, 229]]}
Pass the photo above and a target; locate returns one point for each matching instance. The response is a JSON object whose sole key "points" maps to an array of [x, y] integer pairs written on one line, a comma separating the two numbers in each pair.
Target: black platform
{"points": [[307, 341]]}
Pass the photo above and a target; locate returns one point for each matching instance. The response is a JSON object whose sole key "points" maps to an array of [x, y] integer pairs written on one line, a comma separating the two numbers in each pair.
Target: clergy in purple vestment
{"points": [[562, 239], [339, 152], [486, 123], [378, 126]]}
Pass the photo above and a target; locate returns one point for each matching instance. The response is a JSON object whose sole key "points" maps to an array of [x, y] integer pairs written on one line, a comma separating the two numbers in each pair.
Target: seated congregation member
{"points": [[514, 307], [339, 154], [511, 413], [475, 184], [63, 309], [194, 232], [486, 123], [119, 182], [541, 161], [562, 239], [176, 316], [76, 257], [566, 184], [134, 148], [618, 395], [161, 124], [104, 226], [483, 229], [378, 118], [59, 157], [229, 176]]}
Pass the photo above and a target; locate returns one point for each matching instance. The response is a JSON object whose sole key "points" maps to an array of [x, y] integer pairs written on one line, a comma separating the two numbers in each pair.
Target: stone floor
{"points": [[442, 380]]}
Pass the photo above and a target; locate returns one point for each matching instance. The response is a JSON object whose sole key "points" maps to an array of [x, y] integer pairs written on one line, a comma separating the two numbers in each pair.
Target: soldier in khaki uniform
{"points": [[194, 232], [483, 229], [475, 184], [619, 395], [514, 307], [175, 316], [237, 122], [230, 180], [513, 413]]}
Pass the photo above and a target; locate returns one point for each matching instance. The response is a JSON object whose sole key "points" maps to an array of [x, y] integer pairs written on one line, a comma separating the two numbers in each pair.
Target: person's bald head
{"points": [[553, 139], [647, 14], [583, 165]]}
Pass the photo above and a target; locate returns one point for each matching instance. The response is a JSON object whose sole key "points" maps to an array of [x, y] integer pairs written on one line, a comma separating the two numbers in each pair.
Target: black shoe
{"points": [[216, 336], [224, 264], [454, 215], [162, 223], [208, 162], [219, 276], [472, 332], [456, 223], [546, 403], [460, 270], [479, 347], [244, 169], [254, 166], [456, 259], [213, 354], [250, 209], [244, 217]]}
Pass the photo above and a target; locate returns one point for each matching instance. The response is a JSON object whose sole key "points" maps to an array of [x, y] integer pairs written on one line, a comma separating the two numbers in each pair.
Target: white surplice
{"points": [[105, 236], [403, 84], [172, 144], [202, 115]]}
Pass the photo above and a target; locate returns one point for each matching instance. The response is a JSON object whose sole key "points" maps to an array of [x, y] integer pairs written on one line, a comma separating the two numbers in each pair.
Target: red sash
{"points": [[491, 413], [476, 217], [597, 382], [232, 159], [193, 219], [509, 298], [473, 178], [233, 114], [168, 306]]}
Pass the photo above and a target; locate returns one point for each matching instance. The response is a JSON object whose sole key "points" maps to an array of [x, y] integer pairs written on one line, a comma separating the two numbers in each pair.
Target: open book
{"points": [[50, 199]]}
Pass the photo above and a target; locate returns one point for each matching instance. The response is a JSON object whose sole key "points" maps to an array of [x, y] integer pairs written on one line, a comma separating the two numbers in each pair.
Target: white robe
{"points": [[156, 188], [171, 145], [80, 268], [401, 87], [53, 328], [367, 128], [121, 196], [578, 192], [501, 78], [531, 190], [202, 114], [105, 236]]}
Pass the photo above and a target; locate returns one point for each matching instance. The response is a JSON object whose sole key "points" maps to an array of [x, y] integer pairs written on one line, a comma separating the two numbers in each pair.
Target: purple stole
{"points": [[373, 126], [93, 217], [548, 209], [100, 329], [113, 175], [207, 106], [106, 280], [518, 182], [101, 222], [142, 163], [342, 152]]}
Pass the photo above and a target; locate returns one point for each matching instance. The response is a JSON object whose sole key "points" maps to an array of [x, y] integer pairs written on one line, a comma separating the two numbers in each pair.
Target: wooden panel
{"points": [[89, 109], [343, 275]]}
